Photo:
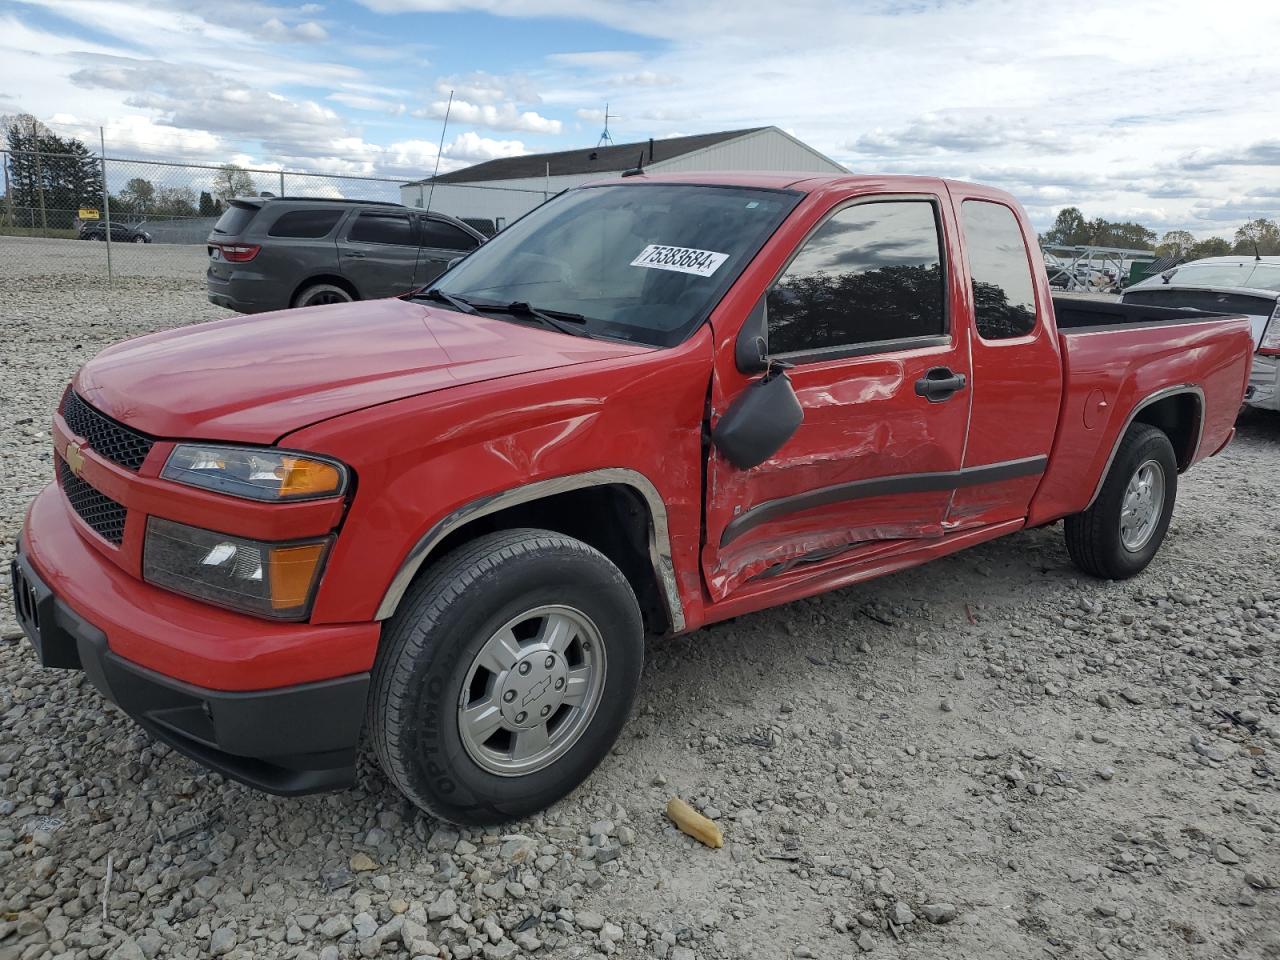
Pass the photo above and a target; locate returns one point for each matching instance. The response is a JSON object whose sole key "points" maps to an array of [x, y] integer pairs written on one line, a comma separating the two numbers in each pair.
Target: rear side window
{"points": [[1004, 304], [305, 224], [871, 273], [437, 233], [383, 228], [234, 220]]}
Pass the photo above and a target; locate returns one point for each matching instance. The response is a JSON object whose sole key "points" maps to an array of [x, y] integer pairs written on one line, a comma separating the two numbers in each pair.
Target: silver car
{"points": [[1248, 285]]}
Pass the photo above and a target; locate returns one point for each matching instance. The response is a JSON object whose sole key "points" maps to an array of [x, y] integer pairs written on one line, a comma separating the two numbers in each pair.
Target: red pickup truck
{"points": [[450, 519]]}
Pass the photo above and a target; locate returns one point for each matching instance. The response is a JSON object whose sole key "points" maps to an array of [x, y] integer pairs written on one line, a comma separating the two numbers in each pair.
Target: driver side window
{"points": [[872, 273]]}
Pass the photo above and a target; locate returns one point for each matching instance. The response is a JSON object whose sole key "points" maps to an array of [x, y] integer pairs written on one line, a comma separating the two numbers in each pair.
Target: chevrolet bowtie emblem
{"points": [[74, 456]]}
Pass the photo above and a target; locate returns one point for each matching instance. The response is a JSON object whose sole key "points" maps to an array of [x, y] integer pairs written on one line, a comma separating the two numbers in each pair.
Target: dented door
{"points": [[869, 316]]}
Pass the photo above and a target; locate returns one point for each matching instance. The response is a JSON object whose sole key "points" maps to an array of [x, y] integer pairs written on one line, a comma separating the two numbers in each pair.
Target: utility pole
{"points": [[35, 145], [8, 194], [106, 204]]}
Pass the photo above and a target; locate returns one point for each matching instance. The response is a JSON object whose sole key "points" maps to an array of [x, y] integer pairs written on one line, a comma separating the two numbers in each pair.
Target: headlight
{"points": [[256, 473], [275, 580]]}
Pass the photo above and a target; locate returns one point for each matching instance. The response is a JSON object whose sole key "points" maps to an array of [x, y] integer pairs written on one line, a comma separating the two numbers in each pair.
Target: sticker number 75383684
{"points": [[657, 256]]}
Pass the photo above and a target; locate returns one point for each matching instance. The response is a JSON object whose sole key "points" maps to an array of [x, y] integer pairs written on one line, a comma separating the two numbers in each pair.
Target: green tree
{"points": [[138, 196], [50, 177], [232, 181], [1069, 229], [1176, 243], [209, 207], [1212, 247], [175, 202], [1127, 234], [1259, 236]]}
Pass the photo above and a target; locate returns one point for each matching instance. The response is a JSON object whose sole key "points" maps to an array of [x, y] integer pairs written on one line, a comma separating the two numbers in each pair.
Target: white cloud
{"points": [[506, 116], [472, 147], [643, 78], [596, 58], [278, 30], [359, 101], [482, 87]]}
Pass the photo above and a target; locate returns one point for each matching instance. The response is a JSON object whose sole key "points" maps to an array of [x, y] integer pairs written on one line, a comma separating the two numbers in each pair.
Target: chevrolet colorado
{"points": [[448, 521]]}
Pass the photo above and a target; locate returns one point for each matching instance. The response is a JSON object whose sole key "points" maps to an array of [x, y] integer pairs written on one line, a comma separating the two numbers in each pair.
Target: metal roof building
{"points": [[502, 190]]}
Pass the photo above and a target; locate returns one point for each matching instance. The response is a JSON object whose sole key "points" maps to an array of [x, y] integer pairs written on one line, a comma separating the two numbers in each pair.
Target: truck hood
{"points": [[254, 379]]}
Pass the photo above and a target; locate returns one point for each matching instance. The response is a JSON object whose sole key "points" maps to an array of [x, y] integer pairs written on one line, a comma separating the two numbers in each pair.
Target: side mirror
{"points": [[751, 350], [762, 418], [454, 262]]}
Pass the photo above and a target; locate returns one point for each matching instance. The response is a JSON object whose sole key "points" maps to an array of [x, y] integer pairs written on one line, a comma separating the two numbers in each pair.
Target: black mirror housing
{"points": [[757, 424]]}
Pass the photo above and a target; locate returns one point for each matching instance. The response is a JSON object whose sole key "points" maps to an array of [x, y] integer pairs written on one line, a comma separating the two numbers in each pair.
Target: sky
{"points": [[1164, 112]]}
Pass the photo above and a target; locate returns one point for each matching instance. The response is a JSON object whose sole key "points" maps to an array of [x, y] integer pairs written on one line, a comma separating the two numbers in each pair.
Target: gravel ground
{"points": [[986, 757]]}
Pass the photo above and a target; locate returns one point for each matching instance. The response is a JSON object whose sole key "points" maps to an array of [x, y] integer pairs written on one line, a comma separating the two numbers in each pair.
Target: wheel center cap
{"points": [[534, 689]]}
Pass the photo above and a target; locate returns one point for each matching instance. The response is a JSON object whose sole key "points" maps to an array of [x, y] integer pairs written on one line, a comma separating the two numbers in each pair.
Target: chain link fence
{"points": [[99, 217]]}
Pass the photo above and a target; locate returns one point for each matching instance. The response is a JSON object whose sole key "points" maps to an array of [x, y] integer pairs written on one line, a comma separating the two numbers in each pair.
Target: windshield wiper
{"points": [[552, 319], [438, 295]]}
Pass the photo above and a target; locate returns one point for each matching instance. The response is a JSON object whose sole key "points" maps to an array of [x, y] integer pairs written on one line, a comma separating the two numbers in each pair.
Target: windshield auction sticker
{"points": [[702, 263]]}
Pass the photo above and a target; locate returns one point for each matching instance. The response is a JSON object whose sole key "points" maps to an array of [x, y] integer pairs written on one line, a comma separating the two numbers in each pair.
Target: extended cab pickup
{"points": [[450, 520]]}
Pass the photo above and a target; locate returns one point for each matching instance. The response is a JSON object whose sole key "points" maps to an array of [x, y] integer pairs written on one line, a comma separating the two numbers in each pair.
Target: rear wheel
{"points": [[1118, 536], [505, 676], [319, 294]]}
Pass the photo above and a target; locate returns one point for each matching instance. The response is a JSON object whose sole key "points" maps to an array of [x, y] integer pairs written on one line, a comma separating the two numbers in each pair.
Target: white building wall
{"points": [[499, 199], [767, 151]]}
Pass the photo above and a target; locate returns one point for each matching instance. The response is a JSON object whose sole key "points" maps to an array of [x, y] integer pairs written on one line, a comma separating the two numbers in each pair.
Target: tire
{"points": [[1105, 540], [319, 294], [139, 240], [430, 668]]}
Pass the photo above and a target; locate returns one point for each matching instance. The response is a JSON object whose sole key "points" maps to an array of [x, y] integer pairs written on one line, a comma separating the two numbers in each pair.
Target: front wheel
{"points": [[139, 239], [505, 676], [1118, 536]]}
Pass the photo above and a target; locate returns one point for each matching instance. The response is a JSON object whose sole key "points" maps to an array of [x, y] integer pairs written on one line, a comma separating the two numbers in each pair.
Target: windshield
{"points": [[1259, 276], [642, 262]]}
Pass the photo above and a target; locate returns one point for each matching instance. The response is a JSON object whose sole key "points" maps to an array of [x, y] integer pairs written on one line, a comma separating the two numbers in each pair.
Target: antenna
{"points": [[440, 149], [605, 136], [417, 257]]}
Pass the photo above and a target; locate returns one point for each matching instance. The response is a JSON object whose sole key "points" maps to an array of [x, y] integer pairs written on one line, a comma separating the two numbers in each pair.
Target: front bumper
{"points": [[290, 740]]}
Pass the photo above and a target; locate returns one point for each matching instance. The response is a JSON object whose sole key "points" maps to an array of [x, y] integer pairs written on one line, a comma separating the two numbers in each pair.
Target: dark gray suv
{"points": [[269, 253]]}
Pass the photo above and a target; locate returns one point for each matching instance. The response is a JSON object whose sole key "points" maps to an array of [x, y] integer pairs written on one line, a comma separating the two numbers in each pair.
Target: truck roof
{"points": [[805, 182]]}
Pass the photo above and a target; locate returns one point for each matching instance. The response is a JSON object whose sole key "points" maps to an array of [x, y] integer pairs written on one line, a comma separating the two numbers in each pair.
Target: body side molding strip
{"points": [[881, 486], [659, 537], [1187, 388]]}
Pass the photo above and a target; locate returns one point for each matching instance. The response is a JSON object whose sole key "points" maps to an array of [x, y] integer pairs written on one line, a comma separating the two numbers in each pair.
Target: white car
{"points": [[1248, 285]]}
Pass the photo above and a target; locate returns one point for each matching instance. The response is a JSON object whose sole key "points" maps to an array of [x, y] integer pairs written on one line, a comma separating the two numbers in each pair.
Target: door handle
{"points": [[353, 255], [940, 384]]}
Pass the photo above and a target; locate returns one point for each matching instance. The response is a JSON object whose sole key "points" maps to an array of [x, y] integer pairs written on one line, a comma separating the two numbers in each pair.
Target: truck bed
{"points": [[1088, 315], [1117, 356]]}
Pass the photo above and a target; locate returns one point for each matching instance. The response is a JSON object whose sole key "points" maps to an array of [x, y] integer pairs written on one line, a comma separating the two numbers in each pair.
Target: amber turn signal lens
{"points": [[257, 473], [291, 572], [302, 477]]}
